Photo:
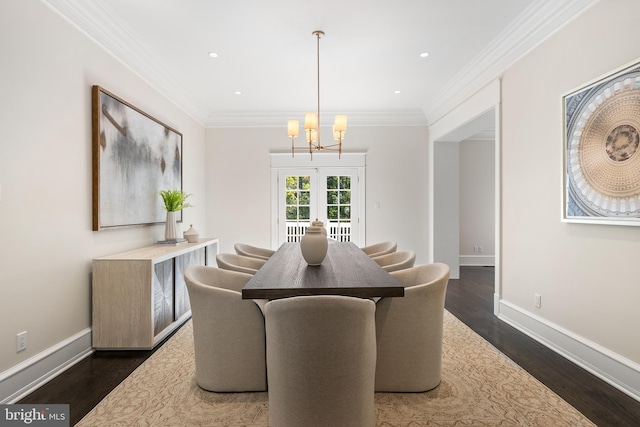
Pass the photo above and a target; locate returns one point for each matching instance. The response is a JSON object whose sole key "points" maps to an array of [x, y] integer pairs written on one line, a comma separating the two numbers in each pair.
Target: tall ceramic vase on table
{"points": [[320, 224], [171, 230], [173, 201], [314, 245]]}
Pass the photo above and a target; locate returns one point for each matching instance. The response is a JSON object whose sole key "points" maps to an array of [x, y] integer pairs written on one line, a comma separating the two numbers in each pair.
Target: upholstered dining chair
{"points": [[409, 331], [240, 263], [228, 332], [321, 356], [381, 248], [253, 251], [396, 260]]}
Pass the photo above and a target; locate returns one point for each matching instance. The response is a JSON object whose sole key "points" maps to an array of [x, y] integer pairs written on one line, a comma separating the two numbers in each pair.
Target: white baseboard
{"points": [[612, 368], [477, 260], [22, 379]]}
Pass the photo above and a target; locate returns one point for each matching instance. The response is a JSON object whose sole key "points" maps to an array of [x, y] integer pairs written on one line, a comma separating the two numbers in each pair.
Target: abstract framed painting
{"points": [[134, 157], [601, 150]]}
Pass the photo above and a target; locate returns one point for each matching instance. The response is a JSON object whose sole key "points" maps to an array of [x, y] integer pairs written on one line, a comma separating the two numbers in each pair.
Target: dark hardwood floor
{"points": [[470, 299]]}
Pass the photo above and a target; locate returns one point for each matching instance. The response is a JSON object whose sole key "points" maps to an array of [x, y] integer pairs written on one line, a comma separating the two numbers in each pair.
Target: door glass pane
{"points": [[298, 200], [303, 213], [339, 207], [332, 197], [345, 197], [304, 198], [292, 213], [332, 182], [345, 213]]}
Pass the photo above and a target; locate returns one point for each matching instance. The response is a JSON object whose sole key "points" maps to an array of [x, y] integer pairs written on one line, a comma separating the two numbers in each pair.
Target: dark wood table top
{"points": [[346, 270]]}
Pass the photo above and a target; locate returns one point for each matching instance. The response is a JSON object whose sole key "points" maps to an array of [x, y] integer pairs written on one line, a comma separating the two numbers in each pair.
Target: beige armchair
{"points": [[240, 263], [396, 260], [228, 332], [321, 356], [409, 331], [381, 248], [253, 251]]}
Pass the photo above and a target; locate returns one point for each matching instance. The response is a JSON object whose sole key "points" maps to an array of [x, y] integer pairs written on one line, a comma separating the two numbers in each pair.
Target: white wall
{"points": [[587, 275], [477, 202], [446, 209], [47, 70], [238, 183]]}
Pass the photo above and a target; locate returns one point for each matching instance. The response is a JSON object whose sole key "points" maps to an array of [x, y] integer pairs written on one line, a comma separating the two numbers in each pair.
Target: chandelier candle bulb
{"points": [[310, 121], [341, 123], [293, 128], [310, 126]]}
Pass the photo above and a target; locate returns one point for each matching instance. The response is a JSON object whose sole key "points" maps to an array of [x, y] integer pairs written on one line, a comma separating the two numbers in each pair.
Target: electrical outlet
{"points": [[21, 342], [537, 300], [480, 249]]}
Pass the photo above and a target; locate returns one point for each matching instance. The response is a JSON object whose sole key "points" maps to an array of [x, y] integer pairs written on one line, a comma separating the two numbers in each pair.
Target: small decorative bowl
{"points": [[191, 235]]}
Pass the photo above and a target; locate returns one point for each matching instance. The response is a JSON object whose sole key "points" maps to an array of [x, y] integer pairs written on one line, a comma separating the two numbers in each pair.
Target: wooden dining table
{"points": [[346, 270]]}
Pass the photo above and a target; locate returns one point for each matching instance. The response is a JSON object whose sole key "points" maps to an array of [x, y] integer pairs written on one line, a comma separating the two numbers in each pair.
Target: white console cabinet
{"points": [[140, 296]]}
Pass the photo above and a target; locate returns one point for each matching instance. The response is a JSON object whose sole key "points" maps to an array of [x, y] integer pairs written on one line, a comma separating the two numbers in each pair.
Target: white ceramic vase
{"points": [[320, 224], [171, 230], [314, 246]]}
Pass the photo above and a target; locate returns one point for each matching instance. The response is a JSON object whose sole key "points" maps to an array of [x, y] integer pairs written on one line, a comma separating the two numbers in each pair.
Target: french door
{"points": [[331, 195]]}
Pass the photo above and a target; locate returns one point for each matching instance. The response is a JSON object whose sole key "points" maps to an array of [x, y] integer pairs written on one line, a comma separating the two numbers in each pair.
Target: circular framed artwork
{"points": [[602, 150]]}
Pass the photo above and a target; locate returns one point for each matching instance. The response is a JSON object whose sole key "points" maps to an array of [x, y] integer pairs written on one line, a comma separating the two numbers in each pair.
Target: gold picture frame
{"points": [[134, 157]]}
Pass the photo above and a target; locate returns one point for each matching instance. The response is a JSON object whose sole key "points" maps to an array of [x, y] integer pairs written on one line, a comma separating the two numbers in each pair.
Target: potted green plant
{"points": [[173, 200]]}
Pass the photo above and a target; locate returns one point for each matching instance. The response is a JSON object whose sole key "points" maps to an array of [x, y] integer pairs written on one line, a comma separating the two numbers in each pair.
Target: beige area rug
{"points": [[480, 387]]}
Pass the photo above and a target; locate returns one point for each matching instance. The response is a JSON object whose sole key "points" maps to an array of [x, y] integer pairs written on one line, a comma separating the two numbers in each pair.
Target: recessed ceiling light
{"points": [[396, 92], [237, 92], [213, 54], [424, 54]]}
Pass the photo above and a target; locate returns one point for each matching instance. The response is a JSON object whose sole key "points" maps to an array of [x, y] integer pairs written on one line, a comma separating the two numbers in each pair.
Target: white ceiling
{"points": [[267, 51]]}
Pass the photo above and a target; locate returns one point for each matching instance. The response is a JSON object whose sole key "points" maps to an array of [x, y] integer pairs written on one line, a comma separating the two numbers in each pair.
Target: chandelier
{"points": [[312, 122]]}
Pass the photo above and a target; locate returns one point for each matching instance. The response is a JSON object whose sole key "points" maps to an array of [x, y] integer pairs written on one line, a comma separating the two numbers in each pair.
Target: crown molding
{"points": [[533, 26], [95, 20], [485, 135]]}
